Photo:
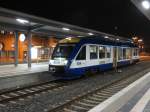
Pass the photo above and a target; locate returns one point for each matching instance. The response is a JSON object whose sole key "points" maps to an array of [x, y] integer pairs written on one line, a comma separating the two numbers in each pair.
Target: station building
{"points": [[41, 50]]}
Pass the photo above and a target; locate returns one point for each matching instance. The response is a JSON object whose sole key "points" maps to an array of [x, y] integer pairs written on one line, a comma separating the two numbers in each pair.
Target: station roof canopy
{"points": [[13, 20], [143, 6]]}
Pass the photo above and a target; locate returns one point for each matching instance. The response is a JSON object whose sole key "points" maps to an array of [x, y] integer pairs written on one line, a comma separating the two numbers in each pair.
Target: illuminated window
{"points": [[82, 54], [120, 57], [124, 53], [102, 52], [135, 52], [108, 52], [128, 54], [93, 52]]}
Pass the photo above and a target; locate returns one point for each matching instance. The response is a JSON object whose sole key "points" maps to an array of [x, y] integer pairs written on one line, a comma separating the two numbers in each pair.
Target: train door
{"points": [[115, 57], [131, 55], [80, 59], [92, 55]]}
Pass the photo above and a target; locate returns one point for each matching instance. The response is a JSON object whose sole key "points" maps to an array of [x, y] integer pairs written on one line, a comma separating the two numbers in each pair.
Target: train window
{"points": [[93, 52], [128, 53], [82, 54], [120, 54], [124, 53], [108, 52], [102, 52], [63, 50], [135, 52]]}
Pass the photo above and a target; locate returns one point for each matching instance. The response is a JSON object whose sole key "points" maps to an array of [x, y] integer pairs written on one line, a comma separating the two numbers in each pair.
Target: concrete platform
{"points": [[11, 70], [15, 77], [134, 98], [140, 102]]}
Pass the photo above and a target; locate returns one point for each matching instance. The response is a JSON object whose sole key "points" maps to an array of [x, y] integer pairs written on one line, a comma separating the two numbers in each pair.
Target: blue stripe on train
{"points": [[82, 71], [103, 67], [78, 72], [122, 63]]}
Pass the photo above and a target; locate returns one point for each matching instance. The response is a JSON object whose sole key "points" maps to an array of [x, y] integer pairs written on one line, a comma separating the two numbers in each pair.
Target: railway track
{"points": [[13, 95], [86, 101], [10, 96], [22, 93]]}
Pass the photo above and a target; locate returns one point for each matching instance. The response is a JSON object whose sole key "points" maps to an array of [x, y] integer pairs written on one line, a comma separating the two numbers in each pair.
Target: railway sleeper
{"points": [[103, 95], [79, 108], [68, 110], [90, 101], [85, 104], [95, 99]]}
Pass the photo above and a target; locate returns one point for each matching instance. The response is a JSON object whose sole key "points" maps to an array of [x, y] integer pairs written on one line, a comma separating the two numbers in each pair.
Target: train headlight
{"points": [[50, 62], [65, 62]]}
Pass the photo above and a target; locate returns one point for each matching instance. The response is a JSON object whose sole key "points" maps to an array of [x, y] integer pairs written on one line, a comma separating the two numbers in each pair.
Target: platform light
{"points": [[2, 31], [53, 46], [79, 36], [69, 38], [117, 39], [23, 21], [101, 48], [10, 32], [90, 33], [22, 37], [140, 40], [134, 38], [106, 37], [65, 29], [146, 4]]}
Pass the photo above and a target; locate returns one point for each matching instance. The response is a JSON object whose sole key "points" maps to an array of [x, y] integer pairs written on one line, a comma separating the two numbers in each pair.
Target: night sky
{"points": [[119, 17]]}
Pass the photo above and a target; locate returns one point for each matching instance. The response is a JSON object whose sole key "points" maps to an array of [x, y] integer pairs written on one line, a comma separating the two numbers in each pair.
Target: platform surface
{"points": [[133, 98], [21, 69], [139, 103]]}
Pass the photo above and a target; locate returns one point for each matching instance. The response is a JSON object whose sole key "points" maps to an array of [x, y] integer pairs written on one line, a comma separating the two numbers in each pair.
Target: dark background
{"points": [[119, 17]]}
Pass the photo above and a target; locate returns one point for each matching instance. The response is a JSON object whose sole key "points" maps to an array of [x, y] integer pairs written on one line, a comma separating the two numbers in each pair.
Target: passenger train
{"points": [[75, 57]]}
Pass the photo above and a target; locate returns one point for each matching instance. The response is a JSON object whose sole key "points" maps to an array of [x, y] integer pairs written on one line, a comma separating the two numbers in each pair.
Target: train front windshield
{"points": [[63, 51]]}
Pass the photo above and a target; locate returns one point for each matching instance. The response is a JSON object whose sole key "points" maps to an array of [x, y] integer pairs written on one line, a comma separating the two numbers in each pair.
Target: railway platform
{"points": [[12, 77], [134, 98], [139, 103], [21, 69]]}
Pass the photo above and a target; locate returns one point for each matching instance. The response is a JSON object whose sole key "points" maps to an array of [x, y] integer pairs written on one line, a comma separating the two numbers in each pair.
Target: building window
{"points": [[108, 52], [93, 52], [102, 52], [82, 54]]}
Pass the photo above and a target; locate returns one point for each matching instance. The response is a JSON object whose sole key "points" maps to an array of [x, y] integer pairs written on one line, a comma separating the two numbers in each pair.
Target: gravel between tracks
{"points": [[44, 101]]}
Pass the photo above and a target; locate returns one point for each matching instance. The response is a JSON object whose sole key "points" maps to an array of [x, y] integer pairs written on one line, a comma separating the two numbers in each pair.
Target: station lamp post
{"points": [[29, 39], [29, 36]]}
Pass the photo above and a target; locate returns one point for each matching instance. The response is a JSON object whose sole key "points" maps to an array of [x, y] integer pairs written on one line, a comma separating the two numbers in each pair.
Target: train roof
{"points": [[99, 40]]}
